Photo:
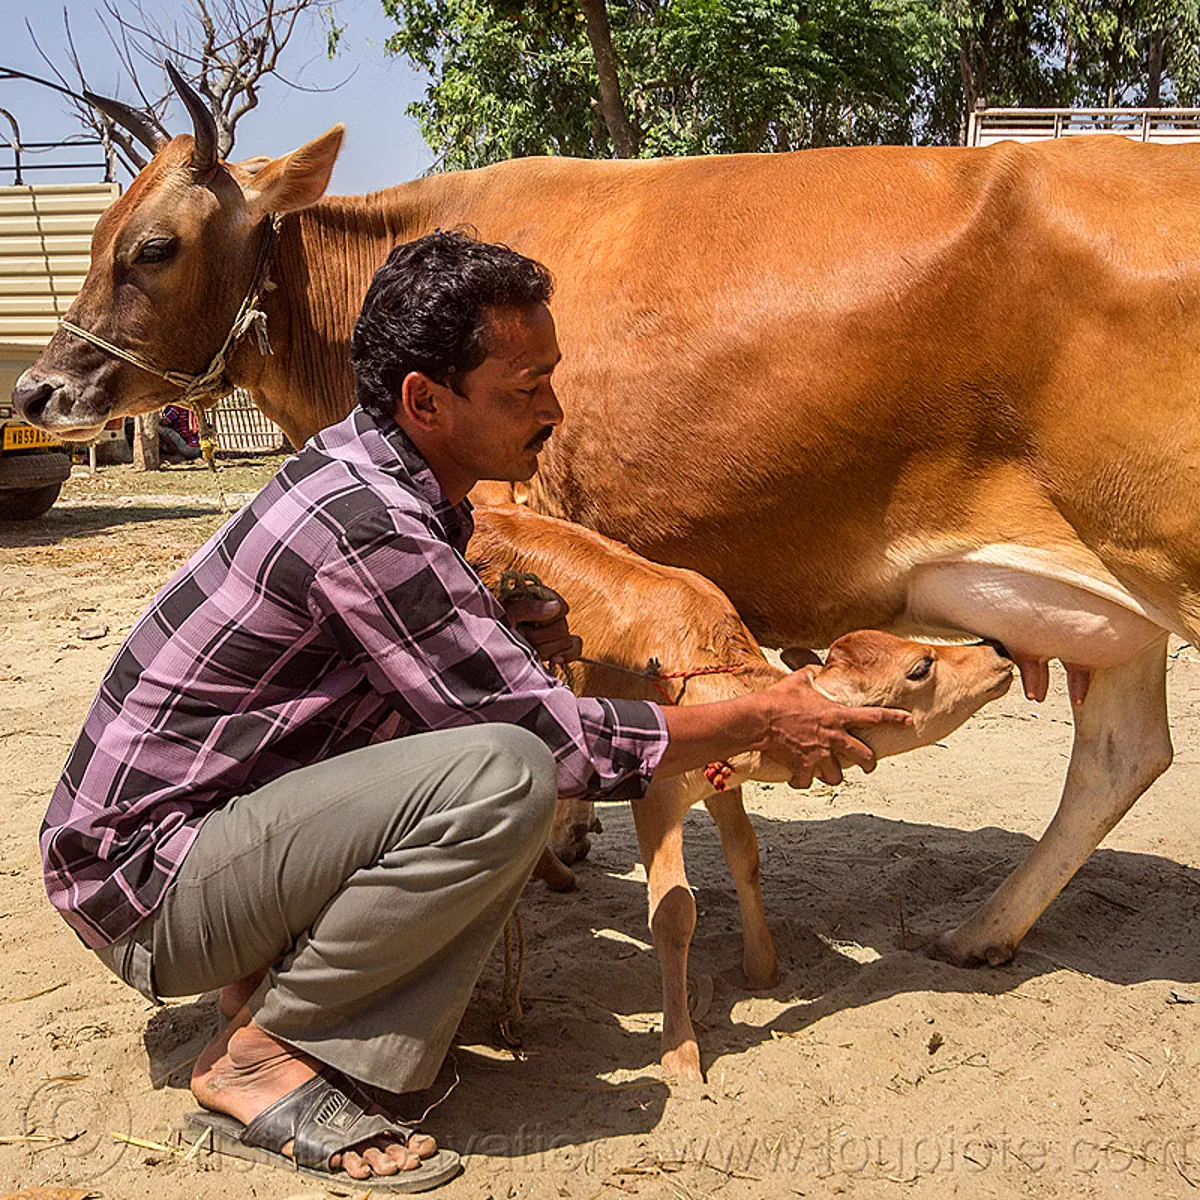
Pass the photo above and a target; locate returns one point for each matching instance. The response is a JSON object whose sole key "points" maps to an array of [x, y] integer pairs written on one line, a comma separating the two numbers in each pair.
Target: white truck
{"points": [[45, 243]]}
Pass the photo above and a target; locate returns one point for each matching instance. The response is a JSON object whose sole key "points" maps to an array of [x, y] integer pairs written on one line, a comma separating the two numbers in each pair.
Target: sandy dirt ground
{"points": [[869, 1071]]}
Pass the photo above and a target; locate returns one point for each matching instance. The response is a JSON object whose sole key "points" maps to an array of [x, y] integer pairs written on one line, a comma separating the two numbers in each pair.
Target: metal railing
{"points": [[989, 125], [19, 153]]}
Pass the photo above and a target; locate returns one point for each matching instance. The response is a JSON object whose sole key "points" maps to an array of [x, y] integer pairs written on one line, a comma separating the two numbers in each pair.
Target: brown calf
{"points": [[628, 610]]}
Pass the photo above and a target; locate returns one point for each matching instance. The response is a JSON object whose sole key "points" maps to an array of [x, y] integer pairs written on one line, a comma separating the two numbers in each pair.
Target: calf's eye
{"points": [[921, 669]]}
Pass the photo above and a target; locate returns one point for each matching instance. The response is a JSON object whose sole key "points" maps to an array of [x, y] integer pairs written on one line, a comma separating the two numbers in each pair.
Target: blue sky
{"points": [[383, 146]]}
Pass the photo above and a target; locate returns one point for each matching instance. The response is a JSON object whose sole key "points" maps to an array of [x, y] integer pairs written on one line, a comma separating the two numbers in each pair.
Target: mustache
{"points": [[540, 438]]}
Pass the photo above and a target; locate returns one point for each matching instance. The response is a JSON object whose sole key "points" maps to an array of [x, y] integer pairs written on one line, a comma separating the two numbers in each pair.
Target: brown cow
{"points": [[628, 610], [923, 389]]}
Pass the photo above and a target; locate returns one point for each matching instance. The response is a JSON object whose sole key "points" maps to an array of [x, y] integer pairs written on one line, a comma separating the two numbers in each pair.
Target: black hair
{"points": [[427, 310]]}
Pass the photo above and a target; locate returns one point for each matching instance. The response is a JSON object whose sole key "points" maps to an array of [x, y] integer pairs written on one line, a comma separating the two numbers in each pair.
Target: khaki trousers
{"points": [[371, 887]]}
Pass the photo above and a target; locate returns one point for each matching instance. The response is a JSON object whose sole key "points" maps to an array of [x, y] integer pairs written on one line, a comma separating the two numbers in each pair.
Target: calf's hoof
{"points": [[570, 852], [953, 948], [684, 1062], [550, 870]]}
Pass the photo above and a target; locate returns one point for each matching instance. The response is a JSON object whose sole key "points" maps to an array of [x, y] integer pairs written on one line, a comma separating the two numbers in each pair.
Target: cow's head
{"points": [[172, 261]]}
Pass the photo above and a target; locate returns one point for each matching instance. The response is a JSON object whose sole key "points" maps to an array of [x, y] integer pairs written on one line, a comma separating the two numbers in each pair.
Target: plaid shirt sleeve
{"points": [[405, 608]]}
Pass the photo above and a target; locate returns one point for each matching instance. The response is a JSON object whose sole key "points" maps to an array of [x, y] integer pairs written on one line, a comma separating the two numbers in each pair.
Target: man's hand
{"points": [[539, 615], [808, 733]]}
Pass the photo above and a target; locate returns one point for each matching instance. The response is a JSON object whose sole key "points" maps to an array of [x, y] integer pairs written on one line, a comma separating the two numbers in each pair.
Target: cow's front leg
{"points": [[1122, 744], [658, 819], [740, 846]]}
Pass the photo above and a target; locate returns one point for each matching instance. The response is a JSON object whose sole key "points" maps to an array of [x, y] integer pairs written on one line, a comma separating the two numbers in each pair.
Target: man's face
{"points": [[504, 411]]}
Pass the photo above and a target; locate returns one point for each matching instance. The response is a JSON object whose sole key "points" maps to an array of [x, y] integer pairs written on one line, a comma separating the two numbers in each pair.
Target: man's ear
{"points": [[295, 180], [419, 400], [795, 657]]}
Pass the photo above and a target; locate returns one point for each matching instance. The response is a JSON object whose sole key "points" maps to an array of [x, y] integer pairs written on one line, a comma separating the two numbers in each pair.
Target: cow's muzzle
{"points": [[57, 405]]}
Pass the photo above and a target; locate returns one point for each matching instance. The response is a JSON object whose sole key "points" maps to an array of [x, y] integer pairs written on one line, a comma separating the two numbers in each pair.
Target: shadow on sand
{"points": [[97, 520], [834, 894]]}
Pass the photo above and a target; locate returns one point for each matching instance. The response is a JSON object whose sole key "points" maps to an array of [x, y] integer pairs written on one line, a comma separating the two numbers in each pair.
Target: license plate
{"points": [[24, 437]]}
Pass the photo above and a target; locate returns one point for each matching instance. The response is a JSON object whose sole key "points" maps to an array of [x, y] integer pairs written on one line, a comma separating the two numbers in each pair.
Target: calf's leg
{"points": [[574, 820], [658, 819], [556, 876], [740, 846], [1122, 744]]}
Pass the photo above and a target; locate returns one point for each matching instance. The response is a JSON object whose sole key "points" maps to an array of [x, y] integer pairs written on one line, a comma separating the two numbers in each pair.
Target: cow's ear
{"points": [[249, 167], [298, 179], [795, 657]]}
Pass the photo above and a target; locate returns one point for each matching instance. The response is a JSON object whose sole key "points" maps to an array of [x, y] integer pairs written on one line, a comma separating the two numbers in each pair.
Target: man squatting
{"points": [[318, 772]]}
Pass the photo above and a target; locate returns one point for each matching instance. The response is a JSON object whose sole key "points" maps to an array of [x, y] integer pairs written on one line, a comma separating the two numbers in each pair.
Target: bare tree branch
{"points": [[312, 88], [90, 118], [226, 48]]}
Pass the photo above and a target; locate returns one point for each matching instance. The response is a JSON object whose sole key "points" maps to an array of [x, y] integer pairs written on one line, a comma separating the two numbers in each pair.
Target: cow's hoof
{"points": [[684, 1063], [958, 952]]}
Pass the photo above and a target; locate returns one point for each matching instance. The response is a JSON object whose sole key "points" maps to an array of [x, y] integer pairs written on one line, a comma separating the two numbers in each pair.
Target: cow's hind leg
{"points": [[740, 846], [1122, 744], [658, 819]]}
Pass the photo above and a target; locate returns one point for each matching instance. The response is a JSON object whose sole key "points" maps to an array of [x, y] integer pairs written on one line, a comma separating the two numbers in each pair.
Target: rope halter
{"points": [[211, 381]]}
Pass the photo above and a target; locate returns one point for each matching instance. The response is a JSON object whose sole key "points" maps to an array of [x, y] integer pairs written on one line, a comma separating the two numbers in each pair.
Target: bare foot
{"points": [[234, 996], [244, 1070]]}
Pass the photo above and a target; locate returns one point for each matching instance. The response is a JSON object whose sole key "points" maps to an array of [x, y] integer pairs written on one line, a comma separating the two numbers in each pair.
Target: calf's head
{"points": [[172, 260], [940, 685]]}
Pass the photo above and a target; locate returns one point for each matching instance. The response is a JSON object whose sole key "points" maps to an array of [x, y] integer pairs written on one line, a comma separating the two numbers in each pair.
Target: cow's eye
{"points": [[156, 250], [921, 669]]}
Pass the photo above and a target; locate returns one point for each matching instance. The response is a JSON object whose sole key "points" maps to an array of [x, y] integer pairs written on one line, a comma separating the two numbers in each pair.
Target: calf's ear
{"points": [[795, 657], [295, 180]]}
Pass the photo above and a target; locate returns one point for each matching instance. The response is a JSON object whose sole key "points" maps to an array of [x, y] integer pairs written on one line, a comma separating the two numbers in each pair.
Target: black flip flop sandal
{"points": [[322, 1120]]}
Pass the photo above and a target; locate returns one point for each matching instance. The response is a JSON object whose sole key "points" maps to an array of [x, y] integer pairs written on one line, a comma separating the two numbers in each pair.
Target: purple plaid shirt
{"points": [[334, 611]]}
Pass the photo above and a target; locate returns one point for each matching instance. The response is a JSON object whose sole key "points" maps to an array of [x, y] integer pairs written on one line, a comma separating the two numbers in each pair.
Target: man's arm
{"points": [[790, 722], [407, 609]]}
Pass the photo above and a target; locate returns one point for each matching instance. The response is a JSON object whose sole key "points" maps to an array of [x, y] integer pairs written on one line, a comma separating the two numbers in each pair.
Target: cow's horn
{"points": [[142, 127], [204, 153]]}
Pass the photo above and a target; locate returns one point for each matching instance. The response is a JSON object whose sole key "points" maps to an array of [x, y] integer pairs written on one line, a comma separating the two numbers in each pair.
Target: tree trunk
{"points": [[970, 91], [1154, 87], [145, 442], [612, 105]]}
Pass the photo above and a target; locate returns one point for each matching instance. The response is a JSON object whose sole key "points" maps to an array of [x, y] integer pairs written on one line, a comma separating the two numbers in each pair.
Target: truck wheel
{"points": [[27, 504]]}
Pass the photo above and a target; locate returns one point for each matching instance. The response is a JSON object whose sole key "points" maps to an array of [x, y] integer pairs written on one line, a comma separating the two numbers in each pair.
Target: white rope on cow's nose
{"points": [[249, 316]]}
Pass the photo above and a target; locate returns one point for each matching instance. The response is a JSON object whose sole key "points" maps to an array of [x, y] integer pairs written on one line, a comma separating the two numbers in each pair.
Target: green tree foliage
{"points": [[700, 76], [1133, 52], [720, 76]]}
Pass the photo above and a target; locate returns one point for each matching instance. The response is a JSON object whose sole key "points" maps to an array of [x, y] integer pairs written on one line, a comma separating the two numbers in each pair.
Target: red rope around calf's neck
{"points": [[694, 671], [654, 675], [717, 773]]}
